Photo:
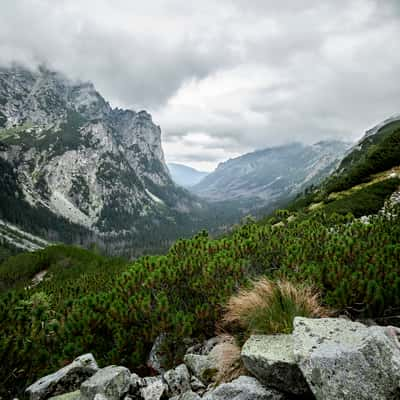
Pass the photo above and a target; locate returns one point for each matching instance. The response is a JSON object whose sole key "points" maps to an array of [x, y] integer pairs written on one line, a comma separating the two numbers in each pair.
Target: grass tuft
{"points": [[269, 307]]}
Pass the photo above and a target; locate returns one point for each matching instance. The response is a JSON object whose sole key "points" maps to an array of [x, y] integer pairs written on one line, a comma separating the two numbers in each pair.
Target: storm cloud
{"points": [[222, 78]]}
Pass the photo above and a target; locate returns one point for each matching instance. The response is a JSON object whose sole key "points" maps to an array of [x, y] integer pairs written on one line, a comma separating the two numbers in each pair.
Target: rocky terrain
{"points": [[323, 359], [272, 174], [66, 151]]}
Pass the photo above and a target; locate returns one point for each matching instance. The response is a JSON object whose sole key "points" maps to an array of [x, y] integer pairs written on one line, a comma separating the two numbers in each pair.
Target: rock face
{"points": [[243, 388], [341, 359], [72, 156], [270, 358], [272, 174], [111, 382], [64, 380]]}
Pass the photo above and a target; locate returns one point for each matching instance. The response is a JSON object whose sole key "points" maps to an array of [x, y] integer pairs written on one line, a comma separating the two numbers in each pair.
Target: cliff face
{"points": [[72, 154]]}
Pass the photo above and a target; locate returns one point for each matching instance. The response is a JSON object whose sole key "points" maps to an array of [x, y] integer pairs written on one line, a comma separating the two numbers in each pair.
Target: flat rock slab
{"points": [[65, 380], [111, 383], [271, 360], [342, 359]]}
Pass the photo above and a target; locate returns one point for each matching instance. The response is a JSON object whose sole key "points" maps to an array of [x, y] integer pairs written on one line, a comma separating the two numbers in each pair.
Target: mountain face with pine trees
{"points": [[73, 167], [272, 174]]}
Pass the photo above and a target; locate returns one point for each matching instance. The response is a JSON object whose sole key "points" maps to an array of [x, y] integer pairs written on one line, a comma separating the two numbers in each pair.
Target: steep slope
{"points": [[185, 176], [272, 174], [367, 176], [66, 154]]}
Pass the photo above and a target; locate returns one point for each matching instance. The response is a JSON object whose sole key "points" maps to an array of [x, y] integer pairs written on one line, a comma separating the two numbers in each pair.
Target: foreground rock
{"points": [[67, 379], [341, 359], [243, 388], [111, 382], [178, 380], [270, 358]]}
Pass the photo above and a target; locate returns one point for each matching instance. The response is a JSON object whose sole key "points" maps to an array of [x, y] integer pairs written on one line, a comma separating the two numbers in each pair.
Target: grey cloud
{"points": [[247, 74]]}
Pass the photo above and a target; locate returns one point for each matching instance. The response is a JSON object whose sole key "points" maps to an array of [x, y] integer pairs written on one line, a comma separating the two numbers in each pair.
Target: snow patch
{"points": [[154, 197]]}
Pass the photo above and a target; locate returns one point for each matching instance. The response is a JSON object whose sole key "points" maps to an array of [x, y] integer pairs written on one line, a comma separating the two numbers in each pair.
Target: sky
{"points": [[222, 77]]}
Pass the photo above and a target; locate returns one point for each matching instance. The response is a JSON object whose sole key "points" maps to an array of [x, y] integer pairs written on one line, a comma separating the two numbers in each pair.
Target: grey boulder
{"points": [[243, 388], [347, 360], [271, 360], [154, 389], [178, 380], [187, 396], [65, 380], [111, 382]]}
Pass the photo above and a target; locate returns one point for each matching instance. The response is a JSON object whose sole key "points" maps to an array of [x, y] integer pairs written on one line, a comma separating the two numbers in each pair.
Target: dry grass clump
{"points": [[269, 307], [228, 360]]}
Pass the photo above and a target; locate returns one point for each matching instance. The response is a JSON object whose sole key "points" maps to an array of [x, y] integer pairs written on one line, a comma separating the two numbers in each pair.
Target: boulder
{"points": [[157, 360], [187, 396], [197, 385], [178, 380], [201, 367], [243, 388], [64, 380], [341, 359], [68, 396], [270, 359], [155, 389], [111, 382]]}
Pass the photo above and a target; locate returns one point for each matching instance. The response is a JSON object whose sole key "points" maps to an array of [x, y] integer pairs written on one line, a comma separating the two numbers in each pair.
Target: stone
{"points": [[68, 396], [157, 360], [341, 359], [200, 366], [243, 388], [112, 382], [155, 390], [65, 380], [196, 384], [187, 396], [178, 380], [270, 359]]}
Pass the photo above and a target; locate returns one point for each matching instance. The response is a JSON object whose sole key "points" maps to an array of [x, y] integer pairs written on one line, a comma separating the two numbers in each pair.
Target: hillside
{"points": [[272, 175], [367, 176], [185, 176], [87, 303]]}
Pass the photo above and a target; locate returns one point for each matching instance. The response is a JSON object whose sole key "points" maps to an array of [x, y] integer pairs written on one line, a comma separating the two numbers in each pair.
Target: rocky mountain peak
{"points": [[74, 154]]}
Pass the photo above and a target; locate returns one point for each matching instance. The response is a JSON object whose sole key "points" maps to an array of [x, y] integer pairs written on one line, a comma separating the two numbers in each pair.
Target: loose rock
{"points": [[243, 388], [178, 380], [112, 382], [65, 380]]}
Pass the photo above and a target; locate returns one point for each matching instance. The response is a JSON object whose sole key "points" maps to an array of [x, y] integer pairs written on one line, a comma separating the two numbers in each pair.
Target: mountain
{"points": [[365, 179], [75, 169], [185, 176], [272, 174]]}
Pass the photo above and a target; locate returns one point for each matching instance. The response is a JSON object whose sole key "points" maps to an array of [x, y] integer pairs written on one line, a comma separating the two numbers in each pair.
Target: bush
{"points": [[269, 307]]}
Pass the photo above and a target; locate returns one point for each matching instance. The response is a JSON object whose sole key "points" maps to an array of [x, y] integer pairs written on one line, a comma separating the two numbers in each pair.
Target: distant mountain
{"points": [[272, 174], [185, 176], [72, 168]]}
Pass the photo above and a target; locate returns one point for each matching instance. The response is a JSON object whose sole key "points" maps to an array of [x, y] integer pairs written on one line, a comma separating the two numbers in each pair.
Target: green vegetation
{"points": [[89, 303]]}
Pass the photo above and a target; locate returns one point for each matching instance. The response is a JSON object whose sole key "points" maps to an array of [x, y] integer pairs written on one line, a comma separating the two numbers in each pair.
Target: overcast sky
{"points": [[222, 77]]}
